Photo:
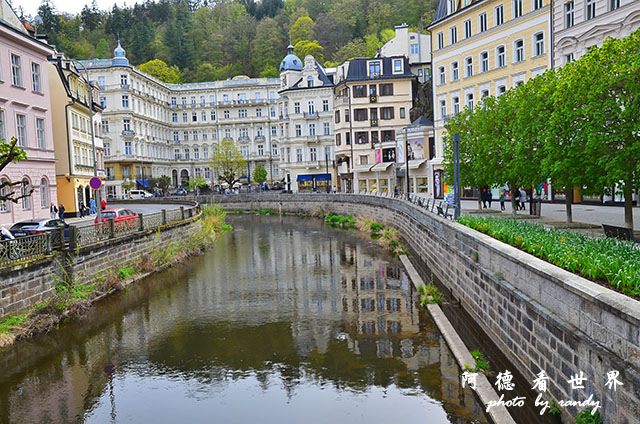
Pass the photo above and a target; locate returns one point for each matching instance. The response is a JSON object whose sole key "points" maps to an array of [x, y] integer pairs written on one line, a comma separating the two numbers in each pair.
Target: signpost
{"points": [[95, 183]]}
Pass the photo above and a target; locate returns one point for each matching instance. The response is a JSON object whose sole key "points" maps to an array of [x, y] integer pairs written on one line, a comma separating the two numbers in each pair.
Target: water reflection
{"points": [[284, 321]]}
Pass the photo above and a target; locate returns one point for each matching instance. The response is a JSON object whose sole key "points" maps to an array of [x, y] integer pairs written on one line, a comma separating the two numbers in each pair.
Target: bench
{"points": [[622, 233]]}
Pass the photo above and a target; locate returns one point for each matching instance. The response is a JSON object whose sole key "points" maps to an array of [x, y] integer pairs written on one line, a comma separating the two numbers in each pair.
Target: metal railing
{"points": [[24, 248]]}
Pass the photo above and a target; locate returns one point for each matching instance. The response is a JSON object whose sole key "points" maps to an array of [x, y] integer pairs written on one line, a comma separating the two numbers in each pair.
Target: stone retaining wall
{"points": [[540, 316]]}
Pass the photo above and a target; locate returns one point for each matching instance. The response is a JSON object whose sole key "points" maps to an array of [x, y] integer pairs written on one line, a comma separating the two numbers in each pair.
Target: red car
{"points": [[118, 215]]}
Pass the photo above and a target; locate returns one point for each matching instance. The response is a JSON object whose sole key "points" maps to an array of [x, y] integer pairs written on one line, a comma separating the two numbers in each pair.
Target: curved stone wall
{"points": [[542, 317]]}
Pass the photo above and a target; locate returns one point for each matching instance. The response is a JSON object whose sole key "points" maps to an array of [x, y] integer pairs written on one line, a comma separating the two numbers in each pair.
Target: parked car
{"points": [[139, 194], [118, 215], [276, 186], [32, 227], [178, 192]]}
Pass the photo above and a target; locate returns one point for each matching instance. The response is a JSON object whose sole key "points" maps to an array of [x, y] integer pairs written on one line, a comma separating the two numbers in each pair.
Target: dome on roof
{"points": [[291, 62], [119, 56]]}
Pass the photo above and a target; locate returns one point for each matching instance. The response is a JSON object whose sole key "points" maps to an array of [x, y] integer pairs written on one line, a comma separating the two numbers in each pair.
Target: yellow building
{"points": [[483, 48], [72, 134]]}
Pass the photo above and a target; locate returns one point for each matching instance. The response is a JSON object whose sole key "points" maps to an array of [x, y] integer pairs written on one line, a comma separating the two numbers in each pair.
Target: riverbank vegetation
{"points": [[604, 260], [387, 238], [75, 294]]}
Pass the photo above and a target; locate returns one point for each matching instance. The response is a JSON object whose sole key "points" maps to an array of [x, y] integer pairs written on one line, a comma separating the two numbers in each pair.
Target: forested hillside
{"points": [[203, 40]]}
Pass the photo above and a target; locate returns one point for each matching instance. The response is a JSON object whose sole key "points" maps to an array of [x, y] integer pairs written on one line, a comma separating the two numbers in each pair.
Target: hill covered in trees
{"points": [[204, 40]]}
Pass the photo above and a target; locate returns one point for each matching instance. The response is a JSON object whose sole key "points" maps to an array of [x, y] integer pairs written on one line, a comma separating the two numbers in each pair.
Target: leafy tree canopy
{"points": [[227, 162], [162, 71]]}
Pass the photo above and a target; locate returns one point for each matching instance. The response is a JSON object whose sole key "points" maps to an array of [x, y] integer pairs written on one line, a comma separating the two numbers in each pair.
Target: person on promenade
{"points": [[53, 211], [523, 198], [103, 204], [483, 197], [81, 208], [489, 197], [502, 196], [92, 206], [61, 211]]}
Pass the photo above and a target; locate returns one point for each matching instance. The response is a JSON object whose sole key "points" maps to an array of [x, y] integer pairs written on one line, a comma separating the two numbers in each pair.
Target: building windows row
{"points": [[360, 91], [27, 191]]}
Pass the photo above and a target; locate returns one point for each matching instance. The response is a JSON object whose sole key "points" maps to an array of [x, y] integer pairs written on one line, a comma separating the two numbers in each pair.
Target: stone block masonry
{"points": [[542, 317]]}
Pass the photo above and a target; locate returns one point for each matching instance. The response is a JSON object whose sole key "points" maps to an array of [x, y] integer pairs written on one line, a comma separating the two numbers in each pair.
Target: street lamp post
{"points": [[406, 158], [93, 139], [456, 174], [326, 166]]}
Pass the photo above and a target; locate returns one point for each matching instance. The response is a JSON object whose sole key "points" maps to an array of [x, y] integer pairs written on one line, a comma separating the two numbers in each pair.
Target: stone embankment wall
{"points": [[29, 283], [542, 317]]}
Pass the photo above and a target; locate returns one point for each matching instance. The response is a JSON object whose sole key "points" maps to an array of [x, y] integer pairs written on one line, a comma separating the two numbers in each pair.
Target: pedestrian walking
{"points": [[103, 204], [395, 192], [61, 211], [53, 211], [81, 208], [502, 196], [489, 197], [523, 198], [92, 206], [516, 195], [483, 197]]}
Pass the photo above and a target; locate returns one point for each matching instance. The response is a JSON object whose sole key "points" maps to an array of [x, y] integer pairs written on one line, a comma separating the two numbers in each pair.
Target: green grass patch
{"points": [[429, 294], [6, 324], [586, 417], [342, 221], [264, 212], [125, 272], [609, 260]]}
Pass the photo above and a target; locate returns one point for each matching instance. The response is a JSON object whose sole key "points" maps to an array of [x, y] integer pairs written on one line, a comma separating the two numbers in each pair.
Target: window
{"points": [[346, 115], [443, 109], [193, 101], [456, 105], [173, 102], [499, 15], [225, 98], [347, 138], [467, 28], [386, 89], [539, 43], [174, 117], [470, 101], [360, 114], [176, 137], [125, 100], [454, 71], [337, 117], [454, 34], [296, 107], [482, 22], [614, 4], [213, 115], [16, 70], [44, 194], [103, 102], [4, 204], [468, 66], [194, 117], [374, 69], [35, 77], [386, 113], [184, 116], [127, 148], [25, 191], [414, 49], [101, 83], [212, 99], [518, 51], [327, 128], [105, 126], [362, 137], [21, 125], [568, 15], [204, 115], [195, 135], [440, 40], [441, 75], [501, 90], [364, 160], [311, 107], [244, 133], [40, 132], [484, 61], [517, 8], [274, 150], [397, 65], [402, 113], [485, 93], [312, 129], [309, 81], [123, 81], [299, 155], [258, 112], [360, 91], [176, 154], [325, 105], [537, 4], [205, 152], [184, 102], [242, 113], [591, 9], [273, 112], [226, 114], [298, 130], [568, 58], [313, 156], [501, 56], [185, 135], [186, 154]]}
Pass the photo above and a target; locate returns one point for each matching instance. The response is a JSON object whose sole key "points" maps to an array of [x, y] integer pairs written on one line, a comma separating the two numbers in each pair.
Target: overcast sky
{"points": [[69, 6]]}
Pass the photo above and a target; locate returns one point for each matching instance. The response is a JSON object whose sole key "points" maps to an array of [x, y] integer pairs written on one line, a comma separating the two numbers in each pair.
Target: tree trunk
{"points": [[628, 202], [568, 202], [514, 206], [479, 198]]}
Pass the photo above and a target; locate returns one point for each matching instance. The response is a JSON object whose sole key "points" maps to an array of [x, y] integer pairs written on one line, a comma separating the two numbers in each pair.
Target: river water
{"points": [[285, 320]]}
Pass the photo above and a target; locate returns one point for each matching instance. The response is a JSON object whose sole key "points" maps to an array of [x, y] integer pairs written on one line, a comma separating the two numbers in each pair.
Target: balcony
{"points": [[341, 101], [124, 86], [260, 138], [128, 133], [310, 114]]}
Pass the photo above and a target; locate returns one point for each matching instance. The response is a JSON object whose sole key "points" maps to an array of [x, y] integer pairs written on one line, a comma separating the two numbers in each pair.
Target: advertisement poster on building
{"points": [[378, 156], [389, 154], [416, 148], [438, 183]]}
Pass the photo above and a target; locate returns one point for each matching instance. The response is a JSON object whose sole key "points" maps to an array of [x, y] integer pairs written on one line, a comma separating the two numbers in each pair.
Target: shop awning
{"points": [[414, 164], [322, 177], [304, 177], [143, 183], [362, 168], [381, 166]]}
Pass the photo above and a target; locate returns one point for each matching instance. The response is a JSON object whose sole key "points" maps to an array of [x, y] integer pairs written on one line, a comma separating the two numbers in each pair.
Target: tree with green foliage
{"points": [[351, 50], [227, 162], [177, 37], [268, 45], [103, 51], [198, 183], [302, 30], [270, 72], [304, 48], [259, 174], [10, 153], [162, 71]]}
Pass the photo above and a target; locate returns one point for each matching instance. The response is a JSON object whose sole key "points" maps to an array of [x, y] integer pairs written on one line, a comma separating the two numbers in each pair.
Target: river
{"points": [[285, 320]]}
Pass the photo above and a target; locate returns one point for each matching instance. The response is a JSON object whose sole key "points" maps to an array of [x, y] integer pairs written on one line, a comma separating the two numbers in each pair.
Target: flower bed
{"points": [[605, 260]]}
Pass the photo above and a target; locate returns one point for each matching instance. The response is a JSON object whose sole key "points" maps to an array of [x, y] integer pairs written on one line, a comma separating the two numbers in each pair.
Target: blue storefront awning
{"points": [[304, 177], [143, 183], [322, 177]]}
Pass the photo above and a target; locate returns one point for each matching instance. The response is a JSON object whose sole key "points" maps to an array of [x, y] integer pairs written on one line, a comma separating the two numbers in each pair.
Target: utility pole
{"points": [[406, 158], [456, 174]]}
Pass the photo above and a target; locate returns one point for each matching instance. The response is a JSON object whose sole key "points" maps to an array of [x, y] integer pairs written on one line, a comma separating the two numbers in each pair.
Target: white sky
{"points": [[69, 6]]}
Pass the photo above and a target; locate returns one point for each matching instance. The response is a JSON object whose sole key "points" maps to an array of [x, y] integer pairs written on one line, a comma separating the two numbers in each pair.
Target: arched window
{"points": [[44, 193], [26, 193], [4, 191]]}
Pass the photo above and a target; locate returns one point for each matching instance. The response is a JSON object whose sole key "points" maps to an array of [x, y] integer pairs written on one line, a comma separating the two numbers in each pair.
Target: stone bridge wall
{"points": [[540, 316]]}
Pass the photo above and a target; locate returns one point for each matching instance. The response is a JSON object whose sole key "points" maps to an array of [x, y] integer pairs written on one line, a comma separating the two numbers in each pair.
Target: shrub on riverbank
{"points": [[605, 260]]}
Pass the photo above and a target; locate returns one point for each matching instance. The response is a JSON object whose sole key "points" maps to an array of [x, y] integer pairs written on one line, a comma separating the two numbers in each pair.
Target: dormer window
{"points": [[309, 81], [397, 66], [374, 69]]}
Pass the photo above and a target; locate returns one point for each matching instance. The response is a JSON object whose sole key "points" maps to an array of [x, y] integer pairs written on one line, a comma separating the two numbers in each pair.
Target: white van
{"points": [[139, 194]]}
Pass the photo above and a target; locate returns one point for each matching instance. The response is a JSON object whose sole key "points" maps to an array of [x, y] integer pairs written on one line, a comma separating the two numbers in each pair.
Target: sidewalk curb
{"points": [[485, 391]]}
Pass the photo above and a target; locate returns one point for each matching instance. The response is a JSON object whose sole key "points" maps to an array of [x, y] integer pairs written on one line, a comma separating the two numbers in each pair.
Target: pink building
{"points": [[26, 114]]}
